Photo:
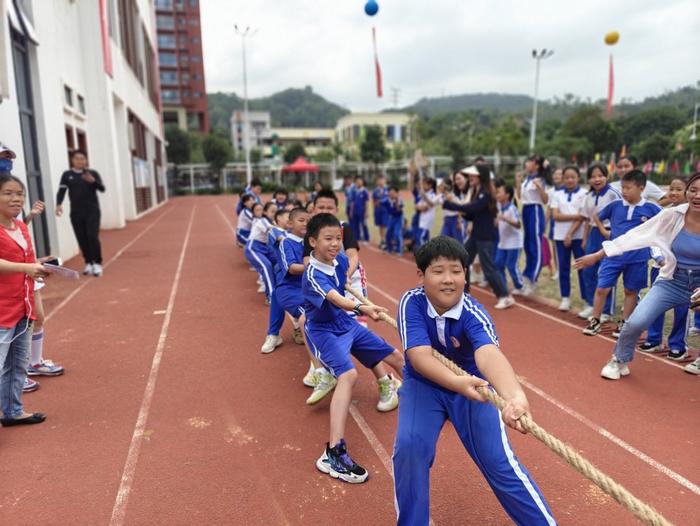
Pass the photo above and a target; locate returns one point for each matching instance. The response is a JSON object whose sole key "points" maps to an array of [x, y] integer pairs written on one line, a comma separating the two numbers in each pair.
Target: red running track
{"points": [[169, 414]]}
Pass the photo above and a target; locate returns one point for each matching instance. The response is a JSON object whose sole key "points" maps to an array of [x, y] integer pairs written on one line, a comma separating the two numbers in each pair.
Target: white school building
{"points": [[82, 74]]}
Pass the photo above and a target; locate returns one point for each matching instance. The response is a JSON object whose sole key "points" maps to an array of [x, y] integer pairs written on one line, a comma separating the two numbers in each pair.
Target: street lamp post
{"points": [[537, 55], [693, 135], [243, 33]]}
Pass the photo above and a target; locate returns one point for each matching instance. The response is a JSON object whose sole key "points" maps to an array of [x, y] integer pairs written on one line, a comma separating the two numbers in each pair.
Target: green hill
{"points": [[289, 108]]}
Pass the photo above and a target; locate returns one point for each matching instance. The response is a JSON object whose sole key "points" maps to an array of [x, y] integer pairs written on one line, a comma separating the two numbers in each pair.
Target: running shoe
{"points": [[649, 347], [261, 288], [677, 356], [504, 303], [325, 383], [593, 327], [336, 462], [298, 336], [605, 318], [310, 379], [45, 368], [528, 288], [586, 313], [694, 331], [694, 367], [614, 369], [618, 329], [30, 385], [87, 270], [272, 341], [565, 304], [96, 270], [517, 292], [388, 393]]}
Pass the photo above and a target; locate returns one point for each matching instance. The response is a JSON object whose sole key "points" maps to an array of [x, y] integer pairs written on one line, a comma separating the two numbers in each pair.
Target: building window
{"points": [[67, 96], [165, 22], [170, 95], [196, 58], [180, 4], [164, 4], [167, 59], [196, 40], [170, 117], [184, 77], [182, 41], [193, 3], [390, 133], [181, 21], [81, 104], [194, 22], [168, 77], [197, 94], [166, 41], [184, 60]]}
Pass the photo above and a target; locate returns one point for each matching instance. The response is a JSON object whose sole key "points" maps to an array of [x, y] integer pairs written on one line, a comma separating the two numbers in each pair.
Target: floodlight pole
{"points": [[537, 55], [246, 118]]}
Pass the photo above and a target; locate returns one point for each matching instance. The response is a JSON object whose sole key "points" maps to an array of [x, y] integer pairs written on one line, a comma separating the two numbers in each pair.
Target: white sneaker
{"points": [[96, 270], [504, 303], [528, 288], [605, 318], [694, 331], [613, 370], [555, 276], [271, 343], [310, 379], [388, 394], [325, 383], [517, 292], [87, 271], [565, 304], [261, 288], [693, 367], [586, 313]]}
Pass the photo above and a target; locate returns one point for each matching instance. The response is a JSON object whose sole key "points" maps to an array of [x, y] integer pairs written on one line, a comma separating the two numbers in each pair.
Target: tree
{"points": [[372, 148], [457, 154], [217, 152], [255, 155], [588, 123], [293, 151], [655, 148], [177, 145]]}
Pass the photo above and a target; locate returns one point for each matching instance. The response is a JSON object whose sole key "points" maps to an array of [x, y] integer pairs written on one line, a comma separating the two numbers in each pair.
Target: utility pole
{"points": [[246, 118], [537, 55]]}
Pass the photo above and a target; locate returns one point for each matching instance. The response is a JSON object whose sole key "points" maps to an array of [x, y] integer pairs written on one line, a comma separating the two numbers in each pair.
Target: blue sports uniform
{"points": [[394, 231], [533, 226], [333, 336], [248, 191], [349, 199], [632, 265], [381, 216], [276, 318], [287, 295], [358, 223], [425, 406], [257, 252], [245, 223]]}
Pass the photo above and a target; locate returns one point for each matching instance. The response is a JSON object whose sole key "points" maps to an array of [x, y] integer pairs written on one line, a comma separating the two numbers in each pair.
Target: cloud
{"points": [[437, 47]]}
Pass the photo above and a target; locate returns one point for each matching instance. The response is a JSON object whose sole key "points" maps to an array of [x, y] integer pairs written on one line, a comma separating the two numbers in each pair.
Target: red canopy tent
{"points": [[299, 166]]}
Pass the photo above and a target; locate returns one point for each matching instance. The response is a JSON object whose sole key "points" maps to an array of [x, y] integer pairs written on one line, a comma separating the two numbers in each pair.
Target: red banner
{"points": [[377, 69], [106, 45], [611, 88]]}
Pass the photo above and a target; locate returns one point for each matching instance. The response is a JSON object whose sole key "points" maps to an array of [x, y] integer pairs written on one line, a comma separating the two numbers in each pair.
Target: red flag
{"points": [[611, 88], [377, 69]]}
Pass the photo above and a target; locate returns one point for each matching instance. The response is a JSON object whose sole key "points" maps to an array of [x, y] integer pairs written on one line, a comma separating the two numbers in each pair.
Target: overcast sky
{"points": [[431, 48]]}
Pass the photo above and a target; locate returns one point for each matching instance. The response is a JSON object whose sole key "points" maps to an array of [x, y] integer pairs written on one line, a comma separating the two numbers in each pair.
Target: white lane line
{"points": [[370, 435], [132, 457], [106, 265], [595, 427], [548, 316]]}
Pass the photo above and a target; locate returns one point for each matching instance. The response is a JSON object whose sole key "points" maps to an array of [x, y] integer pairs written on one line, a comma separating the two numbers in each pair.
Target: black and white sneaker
{"points": [[593, 327], [649, 347], [618, 329], [677, 356], [336, 462]]}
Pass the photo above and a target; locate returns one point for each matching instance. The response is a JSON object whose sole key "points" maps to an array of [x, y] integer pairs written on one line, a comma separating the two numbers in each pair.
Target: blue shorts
{"points": [[333, 348], [381, 217], [290, 299], [634, 274]]}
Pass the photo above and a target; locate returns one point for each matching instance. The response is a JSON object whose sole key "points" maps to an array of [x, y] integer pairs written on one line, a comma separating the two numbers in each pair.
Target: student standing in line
{"points": [[532, 193], [425, 206], [551, 246], [510, 236], [394, 235], [652, 192], [675, 233], [600, 194], [565, 205], [381, 219], [257, 251], [19, 269], [358, 214], [82, 185]]}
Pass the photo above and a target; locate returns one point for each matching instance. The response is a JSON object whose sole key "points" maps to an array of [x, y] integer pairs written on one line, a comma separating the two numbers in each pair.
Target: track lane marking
{"points": [[545, 315], [106, 265], [661, 468], [127, 479]]}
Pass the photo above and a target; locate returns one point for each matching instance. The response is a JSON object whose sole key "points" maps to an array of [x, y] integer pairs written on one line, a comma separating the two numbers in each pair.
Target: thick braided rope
{"points": [[638, 508]]}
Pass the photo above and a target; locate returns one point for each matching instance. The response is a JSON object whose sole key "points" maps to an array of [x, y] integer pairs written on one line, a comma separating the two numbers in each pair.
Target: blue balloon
{"points": [[371, 8]]}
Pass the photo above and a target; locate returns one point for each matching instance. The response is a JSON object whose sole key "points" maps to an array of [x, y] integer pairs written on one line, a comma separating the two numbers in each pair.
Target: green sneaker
{"points": [[325, 383]]}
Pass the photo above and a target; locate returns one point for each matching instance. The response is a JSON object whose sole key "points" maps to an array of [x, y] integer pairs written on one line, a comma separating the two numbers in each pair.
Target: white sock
{"points": [[295, 322], [37, 347]]}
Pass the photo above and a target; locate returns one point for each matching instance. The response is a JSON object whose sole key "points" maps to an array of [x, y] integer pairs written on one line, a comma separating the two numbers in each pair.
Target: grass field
{"points": [[547, 287]]}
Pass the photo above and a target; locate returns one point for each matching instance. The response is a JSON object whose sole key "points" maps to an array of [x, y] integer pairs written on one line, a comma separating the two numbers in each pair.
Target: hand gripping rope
{"points": [[638, 508]]}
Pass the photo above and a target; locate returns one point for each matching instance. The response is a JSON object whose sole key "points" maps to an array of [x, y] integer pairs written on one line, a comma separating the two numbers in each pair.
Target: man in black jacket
{"points": [[82, 185]]}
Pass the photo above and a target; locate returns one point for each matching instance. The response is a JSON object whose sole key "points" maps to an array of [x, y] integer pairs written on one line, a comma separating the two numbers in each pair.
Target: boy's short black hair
{"points": [[245, 198], [295, 202], [78, 151], [281, 190], [255, 182], [319, 222], [637, 177], [441, 246], [359, 177], [268, 205], [280, 213], [296, 211], [394, 188], [326, 193], [431, 182]]}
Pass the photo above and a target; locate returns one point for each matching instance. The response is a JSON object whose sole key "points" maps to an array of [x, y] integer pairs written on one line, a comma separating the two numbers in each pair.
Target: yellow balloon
{"points": [[611, 38]]}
